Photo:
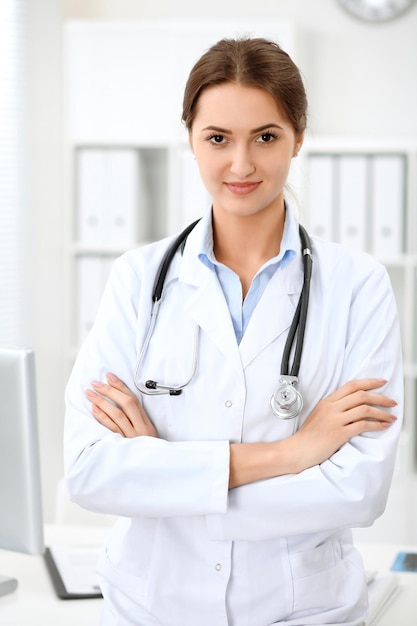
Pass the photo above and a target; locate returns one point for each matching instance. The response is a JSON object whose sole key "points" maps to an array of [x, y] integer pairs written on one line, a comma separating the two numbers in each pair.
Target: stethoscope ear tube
{"points": [[167, 259], [152, 387]]}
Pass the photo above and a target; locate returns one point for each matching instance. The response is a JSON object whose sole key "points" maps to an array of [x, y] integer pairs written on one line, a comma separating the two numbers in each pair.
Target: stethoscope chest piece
{"points": [[287, 402]]}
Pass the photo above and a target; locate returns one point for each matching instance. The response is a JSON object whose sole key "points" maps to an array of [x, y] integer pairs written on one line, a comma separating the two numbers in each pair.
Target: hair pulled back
{"points": [[255, 62]]}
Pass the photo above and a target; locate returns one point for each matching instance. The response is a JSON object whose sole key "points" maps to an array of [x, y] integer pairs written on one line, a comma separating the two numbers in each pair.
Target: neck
{"points": [[245, 243]]}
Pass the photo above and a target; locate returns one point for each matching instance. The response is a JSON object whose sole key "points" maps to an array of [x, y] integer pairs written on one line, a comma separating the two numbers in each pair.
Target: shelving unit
{"points": [[390, 236], [121, 201]]}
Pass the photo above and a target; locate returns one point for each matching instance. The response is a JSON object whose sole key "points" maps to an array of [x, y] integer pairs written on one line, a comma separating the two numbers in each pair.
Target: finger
{"points": [[353, 386], [362, 426], [121, 396], [111, 412], [124, 398], [115, 382], [369, 414], [361, 398], [105, 420]]}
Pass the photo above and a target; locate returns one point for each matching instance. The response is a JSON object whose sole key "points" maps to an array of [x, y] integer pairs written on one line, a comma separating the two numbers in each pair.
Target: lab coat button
{"points": [[228, 403], [218, 567]]}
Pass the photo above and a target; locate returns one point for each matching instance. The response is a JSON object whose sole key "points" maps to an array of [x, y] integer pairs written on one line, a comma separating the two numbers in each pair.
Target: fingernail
{"points": [[96, 384], [112, 378]]}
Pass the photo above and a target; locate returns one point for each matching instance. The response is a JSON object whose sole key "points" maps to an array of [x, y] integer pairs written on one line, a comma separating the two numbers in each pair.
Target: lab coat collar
{"points": [[207, 306]]}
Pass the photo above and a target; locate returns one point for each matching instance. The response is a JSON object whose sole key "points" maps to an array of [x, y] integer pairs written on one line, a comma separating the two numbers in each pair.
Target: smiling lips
{"points": [[242, 189]]}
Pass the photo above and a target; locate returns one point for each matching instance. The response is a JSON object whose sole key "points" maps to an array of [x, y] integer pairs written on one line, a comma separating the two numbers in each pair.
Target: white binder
{"points": [[126, 208], [193, 197], [320, 196], [112, 197], [353, 200], [91, 276], [91, 195], [388, 192]]}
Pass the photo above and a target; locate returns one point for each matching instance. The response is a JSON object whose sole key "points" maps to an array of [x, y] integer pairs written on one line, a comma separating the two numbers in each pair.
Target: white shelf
{"points": [[400, 215]]}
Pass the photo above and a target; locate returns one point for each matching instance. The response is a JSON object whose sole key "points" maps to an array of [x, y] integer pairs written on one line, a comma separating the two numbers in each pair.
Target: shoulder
{"points": [[335, 259], [145, 258], [345, 274]]}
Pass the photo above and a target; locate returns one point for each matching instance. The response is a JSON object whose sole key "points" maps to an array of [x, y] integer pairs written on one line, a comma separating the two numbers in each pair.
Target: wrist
{"points": [[250, 462]]}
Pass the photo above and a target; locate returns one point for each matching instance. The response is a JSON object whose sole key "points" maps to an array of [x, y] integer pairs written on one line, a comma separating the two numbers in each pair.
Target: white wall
{"points": [[361, 80]]}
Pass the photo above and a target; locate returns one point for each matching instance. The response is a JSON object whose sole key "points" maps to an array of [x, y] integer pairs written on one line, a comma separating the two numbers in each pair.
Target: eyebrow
{"points": [[254, 130]]}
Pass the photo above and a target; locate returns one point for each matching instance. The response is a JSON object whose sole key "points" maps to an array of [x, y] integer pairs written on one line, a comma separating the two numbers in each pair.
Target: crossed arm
{"points": [[355, 408]]}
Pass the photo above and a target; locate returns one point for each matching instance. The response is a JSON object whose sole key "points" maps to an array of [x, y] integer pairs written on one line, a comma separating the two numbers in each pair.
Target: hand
{"points": [[119, 410], [351, 410]]}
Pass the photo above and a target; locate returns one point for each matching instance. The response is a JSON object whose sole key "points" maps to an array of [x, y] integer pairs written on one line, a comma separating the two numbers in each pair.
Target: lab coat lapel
{"points": [[207, 305], [274, 312]]}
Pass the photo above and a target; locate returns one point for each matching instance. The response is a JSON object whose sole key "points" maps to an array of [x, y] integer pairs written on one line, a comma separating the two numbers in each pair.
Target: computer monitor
{"points": [[21, 521]]}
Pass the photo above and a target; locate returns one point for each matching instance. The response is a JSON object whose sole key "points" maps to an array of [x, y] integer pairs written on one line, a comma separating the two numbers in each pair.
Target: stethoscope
{"points": [[286, 402]]}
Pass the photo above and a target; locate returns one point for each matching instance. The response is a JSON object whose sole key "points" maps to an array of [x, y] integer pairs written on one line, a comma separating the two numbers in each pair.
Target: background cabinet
{"points": [[363, 193], [124, 197]]}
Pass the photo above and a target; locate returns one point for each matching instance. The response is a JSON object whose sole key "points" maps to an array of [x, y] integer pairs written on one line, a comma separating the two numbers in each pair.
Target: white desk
{"points": [[34, 603], [380, 556]]}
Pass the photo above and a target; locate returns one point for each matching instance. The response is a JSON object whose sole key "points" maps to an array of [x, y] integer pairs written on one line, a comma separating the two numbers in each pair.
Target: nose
{"points": [[242, 164]]}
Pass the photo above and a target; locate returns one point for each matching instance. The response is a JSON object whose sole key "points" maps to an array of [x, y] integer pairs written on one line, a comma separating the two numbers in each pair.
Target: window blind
{"points": [[14, 155]]}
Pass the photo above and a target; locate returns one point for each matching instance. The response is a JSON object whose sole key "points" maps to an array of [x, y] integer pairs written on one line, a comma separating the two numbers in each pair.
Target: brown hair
{"points": [[254, 63]]}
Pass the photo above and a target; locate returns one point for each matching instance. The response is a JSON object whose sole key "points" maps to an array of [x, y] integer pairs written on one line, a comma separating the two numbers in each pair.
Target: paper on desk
{"points": [[77, 567], [382, 590]]}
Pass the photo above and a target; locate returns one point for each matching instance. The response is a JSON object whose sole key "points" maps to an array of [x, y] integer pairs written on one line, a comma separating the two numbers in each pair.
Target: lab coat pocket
{"points": [[318, 578], [124, 563], [134, 587]]}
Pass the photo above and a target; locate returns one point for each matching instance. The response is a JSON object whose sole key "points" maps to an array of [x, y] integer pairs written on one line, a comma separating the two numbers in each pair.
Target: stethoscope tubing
{"points": [[167, 260], [300, 317], [288, 380]]}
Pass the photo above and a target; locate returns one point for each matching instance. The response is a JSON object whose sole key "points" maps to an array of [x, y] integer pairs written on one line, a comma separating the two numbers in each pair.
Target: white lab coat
{"points": [[187, 551]]}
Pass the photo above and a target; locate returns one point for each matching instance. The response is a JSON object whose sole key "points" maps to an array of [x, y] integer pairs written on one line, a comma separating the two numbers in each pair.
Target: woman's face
{"points": [[243, 145]]}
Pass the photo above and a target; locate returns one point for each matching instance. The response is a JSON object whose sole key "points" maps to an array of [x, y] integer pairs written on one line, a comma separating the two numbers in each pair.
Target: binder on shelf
{"points": [[88, 283], [388, 193], [112, 196], [352, 200], [320, 195], [90, 196], [398, 283], [126, 209], [91, 277], [193, 197], [415, 318]]}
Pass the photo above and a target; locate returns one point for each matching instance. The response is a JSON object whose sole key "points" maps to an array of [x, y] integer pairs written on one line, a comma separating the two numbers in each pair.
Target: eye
{"points": [[216, 139], [266, 138]]}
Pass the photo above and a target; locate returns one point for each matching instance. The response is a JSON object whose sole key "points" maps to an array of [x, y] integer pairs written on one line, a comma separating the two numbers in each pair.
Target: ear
{"points": [[298, 144], [190, 140]]}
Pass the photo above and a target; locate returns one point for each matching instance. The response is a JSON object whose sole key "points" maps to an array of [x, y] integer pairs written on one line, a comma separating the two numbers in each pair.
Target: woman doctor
{"points": [[228, 514]]}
